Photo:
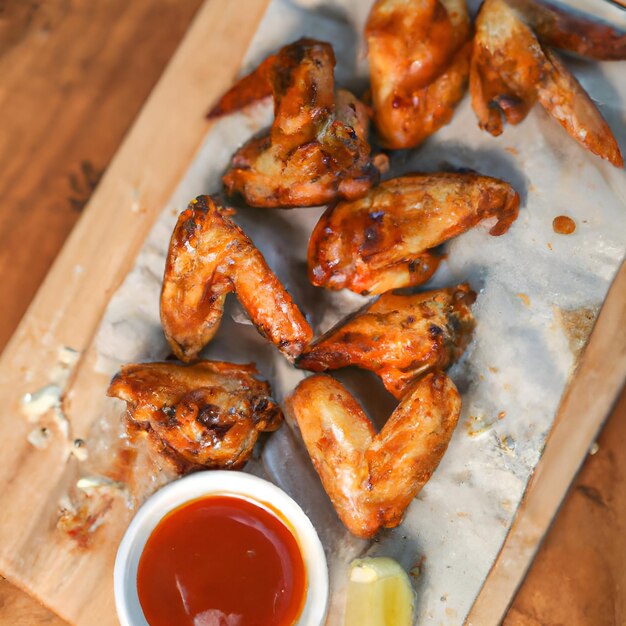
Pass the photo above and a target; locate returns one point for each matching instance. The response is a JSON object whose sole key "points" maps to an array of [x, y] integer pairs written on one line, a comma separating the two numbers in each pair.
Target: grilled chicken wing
{"points": [[372, 478], [419, 55], [398, 337], [558, 28], [510, 71], [317, 149], [210, 256], [204, 415], [382, 241]]}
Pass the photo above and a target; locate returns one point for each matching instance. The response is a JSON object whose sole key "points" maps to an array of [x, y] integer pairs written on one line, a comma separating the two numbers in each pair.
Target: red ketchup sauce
{"points": [[221, 560]]}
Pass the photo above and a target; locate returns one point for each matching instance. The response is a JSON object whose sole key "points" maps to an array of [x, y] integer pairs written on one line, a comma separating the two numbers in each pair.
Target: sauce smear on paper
{"points": [[221, 560], [563, 225]]}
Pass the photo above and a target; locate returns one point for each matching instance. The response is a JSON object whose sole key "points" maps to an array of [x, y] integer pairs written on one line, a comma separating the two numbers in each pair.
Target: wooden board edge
{"points": [[586, 403]]}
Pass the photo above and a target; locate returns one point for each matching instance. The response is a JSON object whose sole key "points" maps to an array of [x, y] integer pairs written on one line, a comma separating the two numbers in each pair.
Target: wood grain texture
{"points": [[93, 262], [19, 609], [578, 577], [69, 89], [73, 76]]}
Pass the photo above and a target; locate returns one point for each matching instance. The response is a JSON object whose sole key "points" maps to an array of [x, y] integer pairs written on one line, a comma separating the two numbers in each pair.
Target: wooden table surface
{"points": [[73, 76]]}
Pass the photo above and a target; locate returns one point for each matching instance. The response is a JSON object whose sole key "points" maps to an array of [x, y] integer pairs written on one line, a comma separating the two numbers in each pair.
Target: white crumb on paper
{"points": [[513, 373], [39, 437], [37, 403]]}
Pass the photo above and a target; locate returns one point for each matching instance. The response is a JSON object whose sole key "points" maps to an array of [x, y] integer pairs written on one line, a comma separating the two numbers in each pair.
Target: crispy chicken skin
{"points": [[510, 71], [574, 33], [562, 96], [419, 54], [383, 241], [251, 88], [210, 256], [316, 150], [398, 337], [372, 478], [204, 415]]}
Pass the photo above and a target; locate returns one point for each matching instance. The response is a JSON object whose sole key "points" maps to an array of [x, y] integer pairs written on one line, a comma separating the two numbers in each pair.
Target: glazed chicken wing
{"points": [[419, 54], [247, 90], [510, 71], [317, 149], [558, 28], [204, 415], [562, 96], [372, 478], [383, 240], [210, 256], [398, 337]]}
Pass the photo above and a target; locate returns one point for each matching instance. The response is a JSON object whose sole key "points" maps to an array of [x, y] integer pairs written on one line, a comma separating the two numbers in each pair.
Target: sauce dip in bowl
{"points": [[221, 548]]}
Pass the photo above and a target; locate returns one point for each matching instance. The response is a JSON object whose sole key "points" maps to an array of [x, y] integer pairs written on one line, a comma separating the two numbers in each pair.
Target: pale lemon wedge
{"points": [[379, 594]]}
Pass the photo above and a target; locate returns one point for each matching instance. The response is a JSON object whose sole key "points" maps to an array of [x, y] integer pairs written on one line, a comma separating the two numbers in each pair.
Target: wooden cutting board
{"points": [[33, 554]]}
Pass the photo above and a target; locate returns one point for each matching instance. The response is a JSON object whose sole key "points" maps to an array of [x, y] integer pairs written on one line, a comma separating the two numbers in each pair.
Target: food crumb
{"points": [[507, 443], [478, 425], [36, 404], [549, 246], [381, 162], [594, 449], [417, 569], [524, 298], [79, 449], [39, 437], [507, 505], [501, 415], [512, 150]]}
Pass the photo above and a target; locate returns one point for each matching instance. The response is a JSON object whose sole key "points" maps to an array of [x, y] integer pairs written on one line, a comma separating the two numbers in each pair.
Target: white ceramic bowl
{"points": [[238, 484]]}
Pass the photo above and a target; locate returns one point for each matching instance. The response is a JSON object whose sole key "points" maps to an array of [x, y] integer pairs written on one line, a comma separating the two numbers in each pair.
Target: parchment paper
{"points": [[538, 295]]}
